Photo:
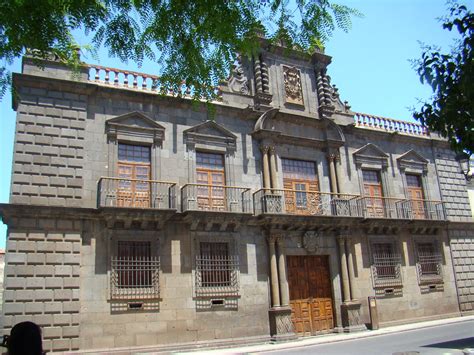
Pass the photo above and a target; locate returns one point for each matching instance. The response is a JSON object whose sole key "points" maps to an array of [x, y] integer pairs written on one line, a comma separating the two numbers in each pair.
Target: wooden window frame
{"points": [[215, 194]]}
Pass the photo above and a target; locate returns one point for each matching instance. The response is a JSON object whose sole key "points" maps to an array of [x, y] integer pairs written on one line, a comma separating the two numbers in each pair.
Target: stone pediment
{"points": [[412, 160], [370, 154], [135, 125], [298, 130], [210, 133]]}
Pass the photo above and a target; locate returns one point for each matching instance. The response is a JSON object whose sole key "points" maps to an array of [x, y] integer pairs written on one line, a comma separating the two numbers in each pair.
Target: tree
{"points": [[195, 41], [451, 76]]}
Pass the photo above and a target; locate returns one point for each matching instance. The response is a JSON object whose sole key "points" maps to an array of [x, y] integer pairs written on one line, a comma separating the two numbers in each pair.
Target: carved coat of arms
{"points": [[311, 241], [293, 88]]}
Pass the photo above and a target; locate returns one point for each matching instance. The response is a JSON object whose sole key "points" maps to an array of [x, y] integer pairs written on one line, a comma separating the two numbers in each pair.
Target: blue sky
{"points": [[370, 66]]}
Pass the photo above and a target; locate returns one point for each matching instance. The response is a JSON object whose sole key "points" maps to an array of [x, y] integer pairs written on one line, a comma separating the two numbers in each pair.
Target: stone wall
{"points": [[462, 247], [176, 317], [42, 280], [49, 146], [414, 302], [453, 186]]}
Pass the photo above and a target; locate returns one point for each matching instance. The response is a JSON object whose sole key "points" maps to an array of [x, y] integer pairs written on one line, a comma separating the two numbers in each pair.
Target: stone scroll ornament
{"points": [[238, 81], [293, 88]]}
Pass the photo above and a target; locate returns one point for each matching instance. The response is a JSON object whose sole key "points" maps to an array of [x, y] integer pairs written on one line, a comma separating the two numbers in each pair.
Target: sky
{"points": [[370, 66]]}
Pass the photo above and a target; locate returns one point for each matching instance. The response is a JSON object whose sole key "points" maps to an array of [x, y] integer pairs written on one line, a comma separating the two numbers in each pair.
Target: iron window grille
{"points": [[135, 272], [386, 266], [217, 272], [429, 263]]}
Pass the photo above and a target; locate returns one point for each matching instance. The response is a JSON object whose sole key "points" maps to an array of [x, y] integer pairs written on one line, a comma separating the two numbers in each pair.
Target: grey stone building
{"points": [[138, 218]]}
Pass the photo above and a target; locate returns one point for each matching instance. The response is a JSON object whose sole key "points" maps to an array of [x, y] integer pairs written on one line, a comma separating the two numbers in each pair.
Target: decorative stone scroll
{"points": [[293, 87], [238, 82]]}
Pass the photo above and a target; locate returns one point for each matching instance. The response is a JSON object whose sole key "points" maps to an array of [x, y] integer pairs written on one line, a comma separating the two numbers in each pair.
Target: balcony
{"points": [[133, 193], [396, 208], [306, 203], [315, 203], [204, 197], [423, 209]]}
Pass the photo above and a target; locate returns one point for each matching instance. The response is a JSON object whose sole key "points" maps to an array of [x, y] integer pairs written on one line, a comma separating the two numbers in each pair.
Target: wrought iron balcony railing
{"points": [[204, 197], [311, 203], [133, 193], [382, 207], [422, 209]]}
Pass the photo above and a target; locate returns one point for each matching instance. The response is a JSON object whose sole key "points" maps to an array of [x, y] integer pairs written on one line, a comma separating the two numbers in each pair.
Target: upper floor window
{"points": [[134, 171], [134, 271], [301, 186], [374, 204], [211, 180], [416, 196]]}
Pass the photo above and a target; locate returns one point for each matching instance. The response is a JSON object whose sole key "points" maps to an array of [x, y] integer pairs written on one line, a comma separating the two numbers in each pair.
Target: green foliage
{"points": [[191, 41], [451, 76]]}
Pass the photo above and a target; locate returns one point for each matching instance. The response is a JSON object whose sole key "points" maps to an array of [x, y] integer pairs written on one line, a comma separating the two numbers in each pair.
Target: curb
{"points": [[328, 339]]}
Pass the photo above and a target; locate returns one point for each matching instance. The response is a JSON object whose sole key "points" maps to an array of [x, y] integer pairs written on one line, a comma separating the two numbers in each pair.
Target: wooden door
{"points": [[310, 294], [373, 193], [134, 170], [210, 174], [415, 194]]}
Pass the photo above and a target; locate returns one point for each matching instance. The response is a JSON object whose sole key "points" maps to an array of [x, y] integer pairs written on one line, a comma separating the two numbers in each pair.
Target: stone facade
{"points": [[249, 216]]}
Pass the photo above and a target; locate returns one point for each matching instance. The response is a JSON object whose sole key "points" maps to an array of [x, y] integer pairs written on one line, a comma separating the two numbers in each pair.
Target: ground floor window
{"points": [[428, 262], [216, 270], [134, 271], [386, 265]]}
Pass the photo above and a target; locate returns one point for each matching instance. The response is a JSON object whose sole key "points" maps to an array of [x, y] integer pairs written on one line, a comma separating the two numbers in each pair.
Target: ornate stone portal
{"points": [[293, 88]]}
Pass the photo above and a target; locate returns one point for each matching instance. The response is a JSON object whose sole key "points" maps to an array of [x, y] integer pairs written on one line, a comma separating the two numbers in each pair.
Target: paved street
{"points": [[442, 339]]}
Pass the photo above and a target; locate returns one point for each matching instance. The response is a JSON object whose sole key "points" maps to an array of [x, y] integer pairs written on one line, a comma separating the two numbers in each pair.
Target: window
{"points": [[416, 196], [301, 187], [134, 168], [216, 270], [374, 204], [386, 264], [428, 263], [134, 271], [211, 179]]}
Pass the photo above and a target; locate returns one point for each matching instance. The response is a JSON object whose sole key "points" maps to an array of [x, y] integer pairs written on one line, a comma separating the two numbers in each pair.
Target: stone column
{"points": [[266, 168], [350, 310], [273, 272], [332, 172], [281, 325], [284, 291], [344, 274], [350, 262], [273, 170], [339, 173]]}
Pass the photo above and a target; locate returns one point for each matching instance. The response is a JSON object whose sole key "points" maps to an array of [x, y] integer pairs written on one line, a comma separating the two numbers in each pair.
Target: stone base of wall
{"points": [[419, 319]]}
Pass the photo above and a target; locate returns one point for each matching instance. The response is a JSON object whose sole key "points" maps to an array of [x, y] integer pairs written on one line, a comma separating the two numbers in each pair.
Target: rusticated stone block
{"points": [[13, 308], [33, 259]]}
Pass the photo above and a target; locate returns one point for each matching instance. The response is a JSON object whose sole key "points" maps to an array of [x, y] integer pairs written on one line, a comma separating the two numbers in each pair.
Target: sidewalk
{"points": [[329, 338]]}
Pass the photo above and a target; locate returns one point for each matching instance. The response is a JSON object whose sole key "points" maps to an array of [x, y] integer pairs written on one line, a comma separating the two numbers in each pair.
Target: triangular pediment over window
{"points": [[135, 126], [210, 133], [371, 155], [412, 160]]}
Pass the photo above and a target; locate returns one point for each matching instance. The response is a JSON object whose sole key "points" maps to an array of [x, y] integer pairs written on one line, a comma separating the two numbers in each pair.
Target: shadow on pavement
{"points": [[453, 344]]}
